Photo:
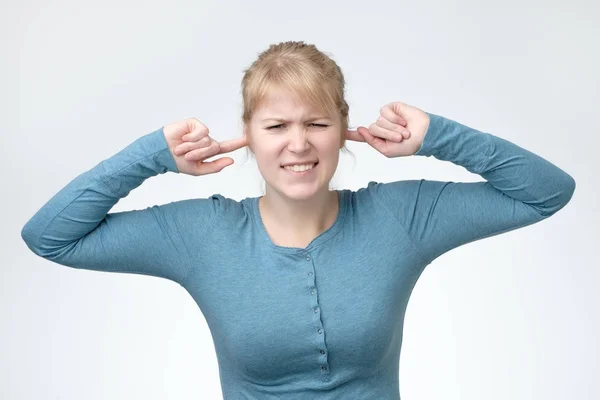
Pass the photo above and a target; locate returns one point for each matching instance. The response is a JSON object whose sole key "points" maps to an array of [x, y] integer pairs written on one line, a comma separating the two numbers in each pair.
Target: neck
{"points": [[299, 220]]}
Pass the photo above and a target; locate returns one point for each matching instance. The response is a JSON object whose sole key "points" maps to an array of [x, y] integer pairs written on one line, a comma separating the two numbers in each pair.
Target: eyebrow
{"points": [[279, 119]]}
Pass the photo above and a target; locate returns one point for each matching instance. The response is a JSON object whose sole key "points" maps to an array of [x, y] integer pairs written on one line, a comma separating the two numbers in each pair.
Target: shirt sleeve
{"points": [[522, 188], [74, 229]]}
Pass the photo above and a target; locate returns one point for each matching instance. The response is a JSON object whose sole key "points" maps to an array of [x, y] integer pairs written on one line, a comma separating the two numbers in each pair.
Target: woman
{"points": [[304, 288]]}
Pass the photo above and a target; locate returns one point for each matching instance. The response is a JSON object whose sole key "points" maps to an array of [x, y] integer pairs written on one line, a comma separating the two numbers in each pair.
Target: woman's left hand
{"points": [[398, 132]]}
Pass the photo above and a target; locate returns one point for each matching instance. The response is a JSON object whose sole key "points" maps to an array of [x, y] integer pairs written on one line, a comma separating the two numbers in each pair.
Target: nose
{"points": [[298, 141]]}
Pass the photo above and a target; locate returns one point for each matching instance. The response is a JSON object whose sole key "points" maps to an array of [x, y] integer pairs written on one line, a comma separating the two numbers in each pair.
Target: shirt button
{"points": [[310, 274], [320, 331], [316, 310], [322, 351], [324, 368], [313, 291], [307, 258]]}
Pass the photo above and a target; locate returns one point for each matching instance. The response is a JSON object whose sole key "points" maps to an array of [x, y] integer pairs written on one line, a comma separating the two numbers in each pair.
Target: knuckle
{"points": [[210, 151], [199, 125]]}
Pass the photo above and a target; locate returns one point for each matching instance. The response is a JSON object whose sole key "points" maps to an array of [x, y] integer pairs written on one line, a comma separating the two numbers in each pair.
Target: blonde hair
{"points": [[302, 68]]}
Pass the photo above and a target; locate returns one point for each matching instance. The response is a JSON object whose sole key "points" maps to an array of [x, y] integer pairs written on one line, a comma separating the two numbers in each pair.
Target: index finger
{"points": [[352, 134], [231, 145]]}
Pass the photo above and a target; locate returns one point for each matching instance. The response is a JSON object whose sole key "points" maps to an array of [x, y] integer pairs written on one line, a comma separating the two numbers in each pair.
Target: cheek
{"points": [[330, 147], [267, 154]]}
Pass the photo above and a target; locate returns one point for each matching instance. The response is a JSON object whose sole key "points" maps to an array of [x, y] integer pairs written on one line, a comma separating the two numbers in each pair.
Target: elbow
{"points": [[562, 197], [568, 189], [28, 237], [41, 243]]}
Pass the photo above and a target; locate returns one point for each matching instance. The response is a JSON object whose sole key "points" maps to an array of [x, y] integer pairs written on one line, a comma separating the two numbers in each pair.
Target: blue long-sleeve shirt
{"points": [[322, 322]]}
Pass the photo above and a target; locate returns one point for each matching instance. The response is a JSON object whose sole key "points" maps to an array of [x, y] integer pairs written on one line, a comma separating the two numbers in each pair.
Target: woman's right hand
{"points": [[190, 145]]}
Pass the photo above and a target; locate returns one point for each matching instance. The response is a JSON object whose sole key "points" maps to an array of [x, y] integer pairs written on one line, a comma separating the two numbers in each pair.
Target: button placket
{"points": [[316, 311]]}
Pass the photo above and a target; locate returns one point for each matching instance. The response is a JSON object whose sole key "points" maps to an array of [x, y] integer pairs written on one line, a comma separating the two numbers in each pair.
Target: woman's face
{"points": [[296, 146]]}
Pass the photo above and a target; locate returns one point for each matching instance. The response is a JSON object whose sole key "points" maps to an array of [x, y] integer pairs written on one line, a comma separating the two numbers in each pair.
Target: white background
{"points": [[516, 316]]}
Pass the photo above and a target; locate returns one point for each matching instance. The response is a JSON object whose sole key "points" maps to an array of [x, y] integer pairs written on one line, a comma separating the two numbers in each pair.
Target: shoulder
{"points": [[387, 191], [205, 209], [398, 200]]}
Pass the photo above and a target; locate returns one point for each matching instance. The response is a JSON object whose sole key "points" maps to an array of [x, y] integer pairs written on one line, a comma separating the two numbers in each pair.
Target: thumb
{"points": [[223, 163], [365, 134], [375, 142], [212, 167]]}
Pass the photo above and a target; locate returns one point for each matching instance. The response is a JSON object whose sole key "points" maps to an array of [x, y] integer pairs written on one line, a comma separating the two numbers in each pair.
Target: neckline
{"points": [[317, 241]]}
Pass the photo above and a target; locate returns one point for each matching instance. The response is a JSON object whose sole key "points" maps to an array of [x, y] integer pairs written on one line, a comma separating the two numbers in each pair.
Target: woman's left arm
{"points": [[522, 188]]}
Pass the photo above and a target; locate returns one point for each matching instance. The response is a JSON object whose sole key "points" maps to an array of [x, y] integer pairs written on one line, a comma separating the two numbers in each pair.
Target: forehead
{"points": [[284, 103]]}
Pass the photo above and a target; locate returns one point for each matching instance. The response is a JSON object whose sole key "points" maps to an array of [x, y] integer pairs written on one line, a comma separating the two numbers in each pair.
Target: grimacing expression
{"points": [[296, 145]]}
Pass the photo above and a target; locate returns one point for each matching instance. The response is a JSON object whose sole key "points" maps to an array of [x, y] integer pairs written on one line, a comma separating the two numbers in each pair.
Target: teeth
{"points": [[299, 168]]}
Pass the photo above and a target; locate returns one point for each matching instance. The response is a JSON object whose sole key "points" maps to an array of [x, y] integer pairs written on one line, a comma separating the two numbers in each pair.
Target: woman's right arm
{"points": [[74, 228]]}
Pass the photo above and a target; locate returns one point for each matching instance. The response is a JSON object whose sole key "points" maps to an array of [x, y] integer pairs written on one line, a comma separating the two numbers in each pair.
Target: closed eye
{"points": [[277, 126]]}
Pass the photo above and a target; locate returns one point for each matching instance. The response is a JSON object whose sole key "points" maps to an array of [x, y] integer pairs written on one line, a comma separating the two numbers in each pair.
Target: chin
{"points": [[299, 191]]}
